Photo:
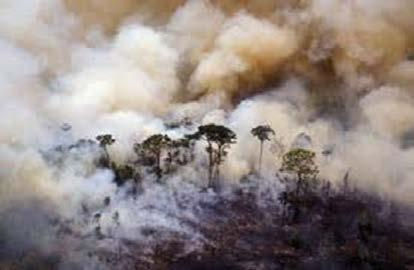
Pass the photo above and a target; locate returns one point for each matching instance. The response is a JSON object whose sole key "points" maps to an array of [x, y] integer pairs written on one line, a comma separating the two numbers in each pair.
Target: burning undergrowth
{"points": [[339, 228], [176, 178]]}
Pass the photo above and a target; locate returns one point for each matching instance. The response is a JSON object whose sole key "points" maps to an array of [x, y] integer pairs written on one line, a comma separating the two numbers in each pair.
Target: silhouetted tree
{"points": [[179, 153], [263, 134], [104, 142], [300, 192], [218, 138], [125, 172], [150, 151]]}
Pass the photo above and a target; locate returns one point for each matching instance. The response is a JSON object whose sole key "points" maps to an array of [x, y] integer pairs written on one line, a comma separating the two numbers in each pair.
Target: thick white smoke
{"points": [[335, 70]]}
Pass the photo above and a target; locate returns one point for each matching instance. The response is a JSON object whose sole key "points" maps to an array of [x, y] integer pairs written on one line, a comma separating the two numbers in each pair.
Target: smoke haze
{"points": [[335, 70]]}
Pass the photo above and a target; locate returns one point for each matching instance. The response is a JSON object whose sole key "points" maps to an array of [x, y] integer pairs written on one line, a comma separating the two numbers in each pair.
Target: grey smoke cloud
{"points": [[125, 67]]}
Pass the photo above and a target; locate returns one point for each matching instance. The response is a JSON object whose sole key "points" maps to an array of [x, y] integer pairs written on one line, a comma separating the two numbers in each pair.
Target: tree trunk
{"points": [[106, 162], [210, 165], [158, 165], [299, 185], [168, 163], [218, 162], [260, 157]]}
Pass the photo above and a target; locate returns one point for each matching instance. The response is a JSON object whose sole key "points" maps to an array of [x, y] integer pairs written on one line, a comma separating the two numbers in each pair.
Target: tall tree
{"points": [[179, 153], [219, 139], [301, 163], [263, 134], [300, 190], [104, 141], [150, 151]]}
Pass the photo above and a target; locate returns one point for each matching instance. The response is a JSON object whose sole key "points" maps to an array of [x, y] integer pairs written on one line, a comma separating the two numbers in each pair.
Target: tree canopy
{"points": [[300, 162], [218, 138], [263, 132]]}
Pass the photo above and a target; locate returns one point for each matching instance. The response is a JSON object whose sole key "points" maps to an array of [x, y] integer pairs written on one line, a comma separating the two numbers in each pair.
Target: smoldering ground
{"points": [[338, 71]]}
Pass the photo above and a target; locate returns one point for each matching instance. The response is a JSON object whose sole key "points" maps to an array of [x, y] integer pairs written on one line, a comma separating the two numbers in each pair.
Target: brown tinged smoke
{"points": [[336, 70]]}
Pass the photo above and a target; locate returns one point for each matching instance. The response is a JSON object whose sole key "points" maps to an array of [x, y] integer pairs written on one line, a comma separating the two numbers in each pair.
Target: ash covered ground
{"points": [[206, 134]]}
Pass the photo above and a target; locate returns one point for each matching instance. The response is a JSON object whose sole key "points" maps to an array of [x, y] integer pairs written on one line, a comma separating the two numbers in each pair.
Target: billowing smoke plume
{"points": [[335, 70]]}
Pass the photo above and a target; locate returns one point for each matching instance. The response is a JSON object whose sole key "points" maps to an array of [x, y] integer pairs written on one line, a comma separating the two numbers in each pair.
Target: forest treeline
{"points": [[161, 156], [311, 221]]}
